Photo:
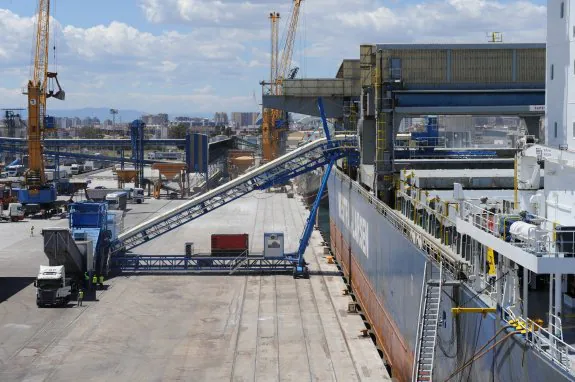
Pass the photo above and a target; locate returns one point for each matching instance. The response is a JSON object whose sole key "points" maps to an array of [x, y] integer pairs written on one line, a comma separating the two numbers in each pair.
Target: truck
{"points": [[75, 169], [230, 244], [99, 194], [52, 286], [88, 166], [14, 213], [138, 195], [51, 175], [117, 200]]}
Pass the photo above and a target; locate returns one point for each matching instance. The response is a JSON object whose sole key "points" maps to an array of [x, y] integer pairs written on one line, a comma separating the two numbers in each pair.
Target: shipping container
{"points": [[230, 244]]}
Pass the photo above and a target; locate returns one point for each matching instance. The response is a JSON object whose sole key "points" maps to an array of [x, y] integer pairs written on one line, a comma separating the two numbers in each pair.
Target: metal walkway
{"points": [[201, 264], [304, 159]]}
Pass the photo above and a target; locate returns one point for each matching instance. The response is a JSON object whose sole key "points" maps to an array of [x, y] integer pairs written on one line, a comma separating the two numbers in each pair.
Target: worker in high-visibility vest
{"points": [[94, 281], [80, 297], [86, 280], [101, 282]]}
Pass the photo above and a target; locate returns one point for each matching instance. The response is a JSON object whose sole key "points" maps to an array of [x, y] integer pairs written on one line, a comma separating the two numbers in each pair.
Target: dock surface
{"points": [[187, 327]]}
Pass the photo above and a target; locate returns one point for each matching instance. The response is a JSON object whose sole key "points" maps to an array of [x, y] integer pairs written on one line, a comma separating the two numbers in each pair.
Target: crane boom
{"points": [[37, 94], [42, 41], [289, 44]]}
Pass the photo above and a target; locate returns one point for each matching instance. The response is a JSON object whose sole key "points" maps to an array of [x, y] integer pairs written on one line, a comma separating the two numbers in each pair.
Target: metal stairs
{"points": [[427, 325], [304, 159]]}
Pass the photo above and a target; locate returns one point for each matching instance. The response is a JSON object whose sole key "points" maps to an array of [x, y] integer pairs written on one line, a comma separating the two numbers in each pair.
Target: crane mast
{"points": [[274, 18], [271, 132], [37, 93]]}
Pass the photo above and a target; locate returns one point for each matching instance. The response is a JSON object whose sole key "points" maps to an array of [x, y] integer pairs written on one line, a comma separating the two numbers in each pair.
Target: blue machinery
{"points": [[306, 158]]}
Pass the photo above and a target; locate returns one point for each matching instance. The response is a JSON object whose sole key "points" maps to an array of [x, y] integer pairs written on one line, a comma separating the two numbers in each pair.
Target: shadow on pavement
{"points": [[9, 286]]}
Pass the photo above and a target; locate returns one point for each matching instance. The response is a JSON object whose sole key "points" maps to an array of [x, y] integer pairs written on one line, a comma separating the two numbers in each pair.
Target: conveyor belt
{"points": [[305, 158]]}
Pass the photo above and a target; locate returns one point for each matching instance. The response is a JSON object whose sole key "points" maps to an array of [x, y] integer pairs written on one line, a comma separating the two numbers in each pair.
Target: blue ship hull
{"points": [[386, 269]]}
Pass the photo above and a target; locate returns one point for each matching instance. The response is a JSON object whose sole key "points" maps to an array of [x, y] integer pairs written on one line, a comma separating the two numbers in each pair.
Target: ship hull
{"points": [[385, 267]]}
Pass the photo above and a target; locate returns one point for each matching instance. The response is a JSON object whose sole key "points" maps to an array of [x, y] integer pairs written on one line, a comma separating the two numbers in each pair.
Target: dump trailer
{"points": [[230, 244], [99, 194], [80, 249], [53, 288]]}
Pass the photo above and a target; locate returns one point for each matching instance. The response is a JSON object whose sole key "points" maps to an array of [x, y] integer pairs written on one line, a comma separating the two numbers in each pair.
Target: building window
{"points": [[555, 131], [396, 68], [562, 8], [552, 70]]}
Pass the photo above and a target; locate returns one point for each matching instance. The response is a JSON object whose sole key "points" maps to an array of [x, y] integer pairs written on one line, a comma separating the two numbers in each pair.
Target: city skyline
{"points": [[179, 55]]}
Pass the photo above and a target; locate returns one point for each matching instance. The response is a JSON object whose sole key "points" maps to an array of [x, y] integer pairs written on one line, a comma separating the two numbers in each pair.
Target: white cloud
{"points": [[207, 55]]}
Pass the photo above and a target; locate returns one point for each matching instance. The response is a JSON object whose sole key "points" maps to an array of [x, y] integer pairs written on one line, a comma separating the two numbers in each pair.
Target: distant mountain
{"points": [[102, 113]]}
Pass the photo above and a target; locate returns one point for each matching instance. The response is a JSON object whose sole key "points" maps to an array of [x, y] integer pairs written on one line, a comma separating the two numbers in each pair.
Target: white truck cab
{"points": [[15, 212], [138, 195], [52, 287], [75, 169]]}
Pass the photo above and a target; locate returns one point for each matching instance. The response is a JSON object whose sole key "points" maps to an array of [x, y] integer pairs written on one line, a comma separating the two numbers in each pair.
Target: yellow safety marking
{"points": [[491, 261]]}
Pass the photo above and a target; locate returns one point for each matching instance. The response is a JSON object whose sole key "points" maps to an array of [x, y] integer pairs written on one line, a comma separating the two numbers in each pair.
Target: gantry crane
{"points": [[273, 125], [39, 89]]}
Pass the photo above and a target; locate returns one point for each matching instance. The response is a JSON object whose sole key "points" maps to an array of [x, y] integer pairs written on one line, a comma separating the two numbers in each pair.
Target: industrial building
{"points": [[390, 82]]}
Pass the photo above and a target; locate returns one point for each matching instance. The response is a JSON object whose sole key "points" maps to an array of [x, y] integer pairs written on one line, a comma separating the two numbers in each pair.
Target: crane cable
{"points": [[482, 352]]}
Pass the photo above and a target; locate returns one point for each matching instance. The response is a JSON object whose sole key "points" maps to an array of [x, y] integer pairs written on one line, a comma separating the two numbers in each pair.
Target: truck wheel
{"points": [[139, 202]]}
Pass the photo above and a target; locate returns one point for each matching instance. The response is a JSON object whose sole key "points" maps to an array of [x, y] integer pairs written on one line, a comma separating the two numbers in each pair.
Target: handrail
{"points": [[234, 265], [430, 246], [547, 344], [541, 240]]}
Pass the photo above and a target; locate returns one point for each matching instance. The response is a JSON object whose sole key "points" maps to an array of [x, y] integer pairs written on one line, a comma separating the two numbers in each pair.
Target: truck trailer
{"points": [[117, 200]]}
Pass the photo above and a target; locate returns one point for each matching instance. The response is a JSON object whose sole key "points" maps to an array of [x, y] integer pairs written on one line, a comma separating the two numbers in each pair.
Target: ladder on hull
{"points": [[427, 325]]}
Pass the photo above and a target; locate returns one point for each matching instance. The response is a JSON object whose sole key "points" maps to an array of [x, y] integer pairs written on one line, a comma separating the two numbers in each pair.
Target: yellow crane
{"points": [[38, 91], [272, 124]]}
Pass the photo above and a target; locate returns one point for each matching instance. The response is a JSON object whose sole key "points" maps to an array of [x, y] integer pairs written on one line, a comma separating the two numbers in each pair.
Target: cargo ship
{"points": [[462, 260], [388, 254]]}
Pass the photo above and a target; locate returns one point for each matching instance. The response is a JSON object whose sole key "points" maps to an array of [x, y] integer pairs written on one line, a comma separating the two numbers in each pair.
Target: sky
{"points": [[185, 56]]}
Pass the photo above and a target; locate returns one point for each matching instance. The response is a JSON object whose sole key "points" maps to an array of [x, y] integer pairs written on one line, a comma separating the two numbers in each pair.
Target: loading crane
{"points": [[274, 122], [39, 88]]}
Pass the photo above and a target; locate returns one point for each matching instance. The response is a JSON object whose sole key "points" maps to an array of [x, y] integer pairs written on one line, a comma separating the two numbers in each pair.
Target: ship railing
{"points": [[544, 239], [407, 141], [417, 204], [542, 340], [452, 263]]}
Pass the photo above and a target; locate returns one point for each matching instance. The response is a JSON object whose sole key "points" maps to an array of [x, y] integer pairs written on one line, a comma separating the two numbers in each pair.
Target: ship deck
{"points": [[184, 327]]}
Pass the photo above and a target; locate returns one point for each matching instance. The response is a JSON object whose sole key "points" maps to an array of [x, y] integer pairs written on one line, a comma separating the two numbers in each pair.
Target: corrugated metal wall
{"points": [[418, 66], [481, 65], [531, 65], [459, 66]]}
